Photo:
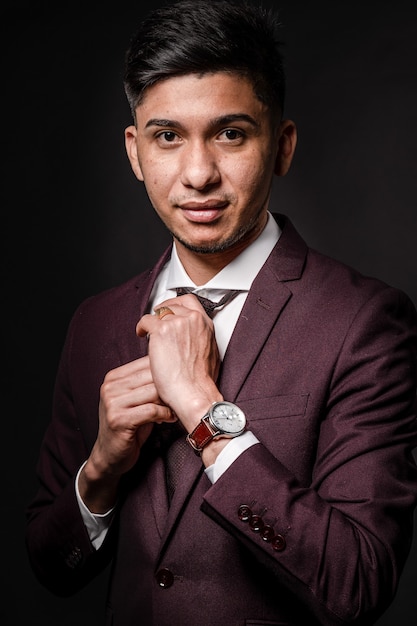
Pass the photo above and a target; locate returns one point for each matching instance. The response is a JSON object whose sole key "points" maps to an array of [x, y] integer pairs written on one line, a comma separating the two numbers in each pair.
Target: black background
{"points": [[77, 221]]}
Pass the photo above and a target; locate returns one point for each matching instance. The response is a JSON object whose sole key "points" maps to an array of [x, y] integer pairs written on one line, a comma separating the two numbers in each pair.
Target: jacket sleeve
{"points": [[58, 545], [340, 541]]}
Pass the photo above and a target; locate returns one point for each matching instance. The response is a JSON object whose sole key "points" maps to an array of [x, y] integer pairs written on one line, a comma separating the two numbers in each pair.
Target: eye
{"points": [[231, 135], [168, 135]]}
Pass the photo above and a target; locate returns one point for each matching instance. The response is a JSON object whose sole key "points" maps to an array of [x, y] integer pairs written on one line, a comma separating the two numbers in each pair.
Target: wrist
{"points": [[212, 450], [196, 407], [98, 492]]}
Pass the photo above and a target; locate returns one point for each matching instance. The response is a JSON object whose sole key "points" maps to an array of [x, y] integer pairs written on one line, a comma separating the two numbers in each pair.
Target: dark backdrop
{"points": [[77, 221]]}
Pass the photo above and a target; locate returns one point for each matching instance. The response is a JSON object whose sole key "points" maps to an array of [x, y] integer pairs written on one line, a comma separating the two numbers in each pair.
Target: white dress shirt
{"points": [[239, 274]]}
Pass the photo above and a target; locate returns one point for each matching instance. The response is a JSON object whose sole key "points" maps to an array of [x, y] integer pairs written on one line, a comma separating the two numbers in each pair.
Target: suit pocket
{"points": [[285, 427], [274, 407]]}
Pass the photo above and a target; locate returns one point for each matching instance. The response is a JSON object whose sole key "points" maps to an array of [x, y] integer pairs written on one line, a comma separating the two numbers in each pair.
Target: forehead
{"points": [[207, 95]]}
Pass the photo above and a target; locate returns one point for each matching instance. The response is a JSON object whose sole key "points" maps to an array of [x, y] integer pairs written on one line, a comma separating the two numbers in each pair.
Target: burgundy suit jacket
{"points": [[310, 526]]}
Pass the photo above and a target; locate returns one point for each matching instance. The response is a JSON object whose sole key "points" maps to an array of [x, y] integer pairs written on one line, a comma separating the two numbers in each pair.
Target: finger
{"points": [[163, 311], [134, 373], [154, 412], [180, 306], [132, 418], [129, 409], [150, 322], [146, 325]]}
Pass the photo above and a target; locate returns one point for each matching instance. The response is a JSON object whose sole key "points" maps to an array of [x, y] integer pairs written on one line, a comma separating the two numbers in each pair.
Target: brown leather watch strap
{"points": [[201, 435]]}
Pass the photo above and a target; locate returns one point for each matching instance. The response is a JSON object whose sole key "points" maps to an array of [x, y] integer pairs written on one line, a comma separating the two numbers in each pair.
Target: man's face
{"points": [[206, 149]]}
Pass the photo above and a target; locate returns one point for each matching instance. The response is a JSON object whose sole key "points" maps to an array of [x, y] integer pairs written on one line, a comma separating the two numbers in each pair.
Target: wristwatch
{"points": [[223, 420]]}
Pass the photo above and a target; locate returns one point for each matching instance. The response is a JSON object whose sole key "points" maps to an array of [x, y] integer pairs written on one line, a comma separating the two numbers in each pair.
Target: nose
{"points": [[199, 167]]}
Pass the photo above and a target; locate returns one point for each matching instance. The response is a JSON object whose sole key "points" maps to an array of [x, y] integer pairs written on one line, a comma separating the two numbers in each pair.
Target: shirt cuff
{"points": [[97, 524], [234, 448]]}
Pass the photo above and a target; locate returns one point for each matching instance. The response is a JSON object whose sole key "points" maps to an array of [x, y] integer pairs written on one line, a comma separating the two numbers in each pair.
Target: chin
{"points": [[204, 247]]}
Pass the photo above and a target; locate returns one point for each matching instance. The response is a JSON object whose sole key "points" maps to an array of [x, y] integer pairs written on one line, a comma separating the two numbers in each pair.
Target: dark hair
{"points": [[197, 37]]}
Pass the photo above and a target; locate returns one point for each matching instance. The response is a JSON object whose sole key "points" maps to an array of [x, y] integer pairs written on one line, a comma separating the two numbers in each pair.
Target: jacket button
{"points": [[165, 578], [244, 512], [279, 543], [256, 523], [267, 533]]}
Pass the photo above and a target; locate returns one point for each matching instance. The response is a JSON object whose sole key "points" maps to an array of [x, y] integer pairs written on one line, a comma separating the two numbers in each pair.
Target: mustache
{"points": [[203, 200]]}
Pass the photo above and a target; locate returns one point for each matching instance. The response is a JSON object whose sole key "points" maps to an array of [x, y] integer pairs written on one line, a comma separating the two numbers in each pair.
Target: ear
{"points": [[287, 140], [132, 151]]}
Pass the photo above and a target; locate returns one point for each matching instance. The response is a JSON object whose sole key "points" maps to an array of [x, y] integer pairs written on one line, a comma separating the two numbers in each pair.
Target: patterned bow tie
{"points": [[208, 305]]}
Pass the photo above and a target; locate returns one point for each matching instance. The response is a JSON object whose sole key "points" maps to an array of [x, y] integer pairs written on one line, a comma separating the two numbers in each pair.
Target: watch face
{"points": [[227, 417]]}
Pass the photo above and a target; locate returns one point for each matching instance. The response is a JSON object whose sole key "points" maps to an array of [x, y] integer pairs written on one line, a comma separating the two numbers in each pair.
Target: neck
{"points": [[202, 267]]}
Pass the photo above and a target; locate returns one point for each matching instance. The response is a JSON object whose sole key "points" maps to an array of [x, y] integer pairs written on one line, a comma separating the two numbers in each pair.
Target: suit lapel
{"points": [[268, 296], [144, 286], [258, 316]]}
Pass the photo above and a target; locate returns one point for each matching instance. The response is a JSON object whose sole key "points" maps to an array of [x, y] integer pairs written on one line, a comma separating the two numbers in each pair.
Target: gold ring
{"points": [[164, 310]]}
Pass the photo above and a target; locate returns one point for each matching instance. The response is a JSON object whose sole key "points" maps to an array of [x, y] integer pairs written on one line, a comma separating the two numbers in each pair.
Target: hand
{"points": [[129, 406], [184, 358]]}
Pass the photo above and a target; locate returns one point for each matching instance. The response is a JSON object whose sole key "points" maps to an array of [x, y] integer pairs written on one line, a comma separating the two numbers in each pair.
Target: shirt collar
{"points": [[240, 273]]}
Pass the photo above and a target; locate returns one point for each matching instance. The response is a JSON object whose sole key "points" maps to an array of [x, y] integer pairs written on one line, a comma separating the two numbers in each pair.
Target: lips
{"points": [[203, 212]]}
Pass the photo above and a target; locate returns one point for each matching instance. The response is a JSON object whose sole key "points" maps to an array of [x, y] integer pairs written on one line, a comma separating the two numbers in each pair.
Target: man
{"points": [[293, 404]]}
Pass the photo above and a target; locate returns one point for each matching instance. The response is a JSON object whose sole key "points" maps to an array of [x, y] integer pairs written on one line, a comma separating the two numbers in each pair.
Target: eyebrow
{"points": [[223, 120]]}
